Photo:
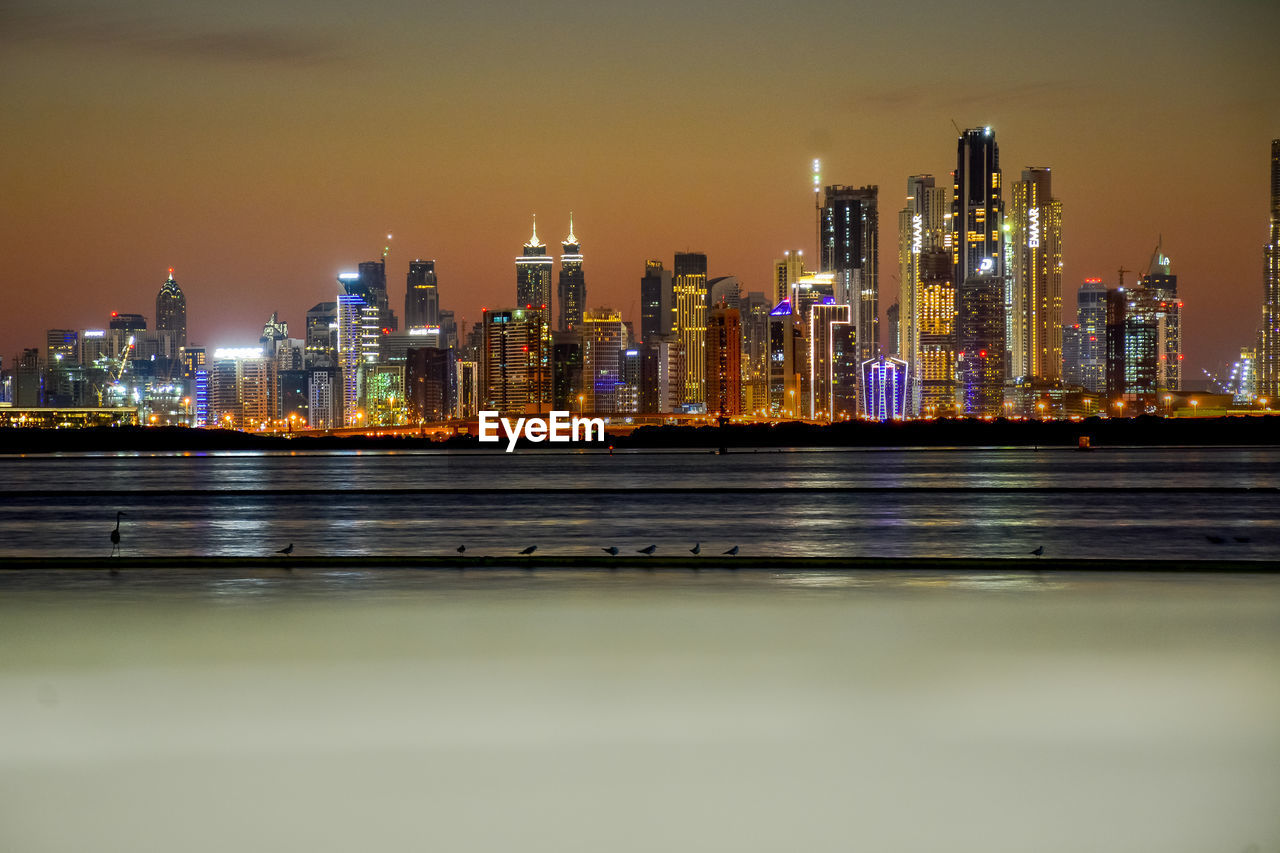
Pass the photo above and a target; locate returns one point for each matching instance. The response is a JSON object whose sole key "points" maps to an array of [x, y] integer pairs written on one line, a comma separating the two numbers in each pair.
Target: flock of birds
{"points": [[614, 551]]}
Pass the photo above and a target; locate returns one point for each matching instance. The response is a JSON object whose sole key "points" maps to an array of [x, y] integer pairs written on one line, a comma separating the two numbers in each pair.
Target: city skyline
{"points": [[259, 158]]}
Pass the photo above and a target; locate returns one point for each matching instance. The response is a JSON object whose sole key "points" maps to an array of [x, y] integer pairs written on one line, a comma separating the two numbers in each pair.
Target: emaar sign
{"points": [[557, 427]]}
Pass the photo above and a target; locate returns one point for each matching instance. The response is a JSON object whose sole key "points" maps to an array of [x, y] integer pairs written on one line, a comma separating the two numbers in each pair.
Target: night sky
{"points": [[260, 148]]}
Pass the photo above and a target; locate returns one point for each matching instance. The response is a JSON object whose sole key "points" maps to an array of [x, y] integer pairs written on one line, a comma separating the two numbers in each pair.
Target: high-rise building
{"points": [[787, 270], [830, 329], [1035, 279], [429, 377], [421, 295], [689, 282], [755, 352], [1091, 317], [932, 381], [242, 389], [724, 361], [1268, 355], [516, 370], [573, 285], [786, 361], [1133, 351], [566, 371], [661, 366], [373, 278], [603, 340], [923, 233], [851, 250], [657, 301], [533, 278], [980, 326], [322, 336], [1161, 286], [171, 315], [977, 208], [724, 290], [885, 380]]}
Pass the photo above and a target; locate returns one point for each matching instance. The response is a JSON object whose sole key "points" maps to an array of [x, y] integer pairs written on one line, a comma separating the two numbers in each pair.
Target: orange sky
{"points": [[261, 148]]}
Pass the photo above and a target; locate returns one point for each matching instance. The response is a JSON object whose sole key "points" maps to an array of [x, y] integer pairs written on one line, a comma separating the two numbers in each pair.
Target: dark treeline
{"points": [[1130, 432]]}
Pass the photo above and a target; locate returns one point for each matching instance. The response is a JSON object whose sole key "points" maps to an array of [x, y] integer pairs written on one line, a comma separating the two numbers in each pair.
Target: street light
{"points": [[1194, 404]]}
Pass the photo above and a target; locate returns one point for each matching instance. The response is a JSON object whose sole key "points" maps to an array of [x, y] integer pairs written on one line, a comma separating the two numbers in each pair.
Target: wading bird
{"points": [[115, 537]]}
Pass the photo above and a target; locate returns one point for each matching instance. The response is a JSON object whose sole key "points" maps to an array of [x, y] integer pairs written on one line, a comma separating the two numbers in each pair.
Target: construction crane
{"points": [[1122, 272]]}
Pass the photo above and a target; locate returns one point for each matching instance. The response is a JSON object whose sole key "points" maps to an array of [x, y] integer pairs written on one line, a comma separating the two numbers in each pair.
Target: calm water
{"points": [[631, 712], [997, 503]]}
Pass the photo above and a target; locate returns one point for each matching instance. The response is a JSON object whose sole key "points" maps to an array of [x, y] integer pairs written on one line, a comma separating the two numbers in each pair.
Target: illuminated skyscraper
{"points": [[886, 382], [924, 229], [980, 326], [977, 208], [373, 278], [830, 333], [1091, 317], [603, 339], [516, 367], [171, 315], [786, 360], [1161, 287], [1268, 356], [689, 283], [851, 250], [421, 296], [573, 286], [657, 301], [932, 381], [724, 361], [533, 278], [787, 270], [1035, 279]]}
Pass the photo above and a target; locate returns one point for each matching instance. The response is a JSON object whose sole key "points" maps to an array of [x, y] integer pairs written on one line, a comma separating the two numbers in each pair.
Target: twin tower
{"points": [[533, 280]]}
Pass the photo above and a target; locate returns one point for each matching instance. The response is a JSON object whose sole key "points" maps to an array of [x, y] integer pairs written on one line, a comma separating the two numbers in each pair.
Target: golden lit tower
{"points": [[690, 286], [573, 286], [1035, 278], [924, 227]]}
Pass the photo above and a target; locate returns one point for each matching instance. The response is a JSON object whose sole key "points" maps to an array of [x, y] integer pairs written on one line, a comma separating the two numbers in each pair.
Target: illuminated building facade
{"points": [[573, 285], [516, 368], [661, 366], [603, 339], [885, 381], [787, 270], [932, 386], [980, 327], [831, 333], [1090, 371], [171, 316], [1133, 351], [242, 388], [1035, 279], [533, 278], [421, 296], [1268, 355], [850, 242], [977, 208], [724, 361], [566, 371], [755, 352], [359, 338], [787, 350], [689, 282], [924, 230], [1161, 287]]}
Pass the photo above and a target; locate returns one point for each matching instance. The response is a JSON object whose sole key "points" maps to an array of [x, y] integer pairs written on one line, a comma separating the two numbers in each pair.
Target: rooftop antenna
{"points": [[959, 132], [386, 250], [817, 203]]}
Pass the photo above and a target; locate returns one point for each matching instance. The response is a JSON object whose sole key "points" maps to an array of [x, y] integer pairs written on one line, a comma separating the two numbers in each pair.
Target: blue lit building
{"points": [[886, 381]]}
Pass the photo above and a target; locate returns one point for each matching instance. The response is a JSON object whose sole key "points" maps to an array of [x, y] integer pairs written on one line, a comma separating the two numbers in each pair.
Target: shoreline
{"points": [[553, 563]]}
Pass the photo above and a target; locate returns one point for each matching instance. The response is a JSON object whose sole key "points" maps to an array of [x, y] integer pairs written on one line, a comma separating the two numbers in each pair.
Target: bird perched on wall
{"points": [[527, 551], [286, 550], [1039, 551], [696, 549], [612, 550], [732, 552], [647, 550], [461, 549]]}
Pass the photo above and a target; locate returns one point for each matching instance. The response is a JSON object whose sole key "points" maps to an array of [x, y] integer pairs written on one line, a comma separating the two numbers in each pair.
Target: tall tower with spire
{"points": [[533, 277], [573, 286], [171, 315]]}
